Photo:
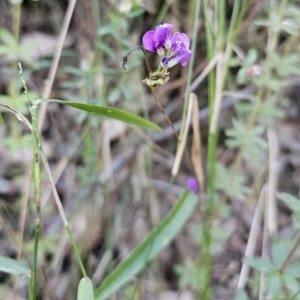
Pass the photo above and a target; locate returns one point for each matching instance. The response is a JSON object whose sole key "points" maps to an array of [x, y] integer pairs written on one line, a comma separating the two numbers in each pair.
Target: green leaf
{"points": [[251, 56], [190, 275], [155, 241], [292, 202], [260, 264], [291, 283], [293, 270], [12, 266], [279, 250], [6, 37], [236, 188], [274, 284], [241, 295], [107, 112], [296, 219], [218, 237], [85, 289], [136, 12]]}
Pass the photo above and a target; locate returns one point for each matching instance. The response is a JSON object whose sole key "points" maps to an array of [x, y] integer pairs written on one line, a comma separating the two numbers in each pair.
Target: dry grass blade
{"points": [[272, 186], [181, 147], [252, 240], [218, 93], [54, 65], [204, 73], [18, 115], [265, 252], [196, 146]]}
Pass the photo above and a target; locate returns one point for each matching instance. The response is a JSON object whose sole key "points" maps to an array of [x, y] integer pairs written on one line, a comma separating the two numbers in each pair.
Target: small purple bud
{"points": [[192, 184]]}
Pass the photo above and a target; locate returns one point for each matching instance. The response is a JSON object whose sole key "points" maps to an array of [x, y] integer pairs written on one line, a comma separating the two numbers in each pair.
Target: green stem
{"points": [[62, 213], [209, 54], [220, 16], [35, 257], [211, 97], [77, 255], [162, 13], [36, 181], [37, 188], [191, 64]]}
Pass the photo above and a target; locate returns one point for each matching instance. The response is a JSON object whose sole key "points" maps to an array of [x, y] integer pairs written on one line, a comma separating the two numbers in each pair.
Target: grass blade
{"points": [[107, 112], [155, 241], [12, 266]]}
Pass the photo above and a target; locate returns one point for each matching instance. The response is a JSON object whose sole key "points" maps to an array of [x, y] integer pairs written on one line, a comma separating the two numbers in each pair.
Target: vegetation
{"points": [[119, 182]]}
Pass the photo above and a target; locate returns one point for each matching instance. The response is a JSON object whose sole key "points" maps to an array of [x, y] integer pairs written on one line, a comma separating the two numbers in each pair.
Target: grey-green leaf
{"points": [[107, 112], [241, 295], [155, 241], [12, 266], [293, 270], [292, 202], [260, 264], [85, 289]]}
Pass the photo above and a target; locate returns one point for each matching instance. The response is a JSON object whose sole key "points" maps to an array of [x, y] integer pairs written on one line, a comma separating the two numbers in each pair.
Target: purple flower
{"points": [[173, 49], [192, 184]]}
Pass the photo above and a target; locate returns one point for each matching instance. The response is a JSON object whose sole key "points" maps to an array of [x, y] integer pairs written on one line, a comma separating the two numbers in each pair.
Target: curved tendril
{"points": [[126, 56]]}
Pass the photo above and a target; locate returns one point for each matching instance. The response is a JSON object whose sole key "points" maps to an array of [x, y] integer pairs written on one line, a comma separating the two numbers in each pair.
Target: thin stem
{"points": [[209, 55], [290, 255], [236, 29], [191, 64], [62, 213], [145, 55], [19, 116], [162, 13], [36, 181], [35, 255], [211, 153], [74, 246], [220, 16], [163, 112]]}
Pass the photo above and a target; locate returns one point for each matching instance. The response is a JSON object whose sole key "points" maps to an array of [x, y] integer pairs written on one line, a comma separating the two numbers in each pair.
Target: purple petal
{"points": [[181, 57], [179, 41], [148, 41], [180, 38], [162, 36], [192, 184]]}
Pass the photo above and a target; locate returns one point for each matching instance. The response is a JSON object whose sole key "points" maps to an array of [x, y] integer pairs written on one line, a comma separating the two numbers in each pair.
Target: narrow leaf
{"points": [[85, 289], [107, 112], [155, 241], [12, 266]]}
